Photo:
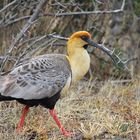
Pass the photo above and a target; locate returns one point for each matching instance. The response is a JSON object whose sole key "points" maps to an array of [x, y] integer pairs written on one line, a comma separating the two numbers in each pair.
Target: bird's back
{"points": [[40, 77]]}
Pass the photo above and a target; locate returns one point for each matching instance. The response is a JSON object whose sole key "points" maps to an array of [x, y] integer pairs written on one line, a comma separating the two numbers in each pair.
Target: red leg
{"points": [[63, 131], [22, 118]]}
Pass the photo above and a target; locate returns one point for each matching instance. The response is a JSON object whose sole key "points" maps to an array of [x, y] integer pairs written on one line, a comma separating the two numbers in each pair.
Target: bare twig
{"points": [[58, 37], [29, 48], [88, 12], [46, 44], [60, 4], [67, 14], [131, 59], [23, 31], [8, 5], [122, 81], [9, 22], [83, 13], [37, 39], [100, 2], [28, 40], [121, 64]]}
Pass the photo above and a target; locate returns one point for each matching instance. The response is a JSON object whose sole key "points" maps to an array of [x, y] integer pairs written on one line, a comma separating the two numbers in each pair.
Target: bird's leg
{"points": [[63, 131], [22, 118]]}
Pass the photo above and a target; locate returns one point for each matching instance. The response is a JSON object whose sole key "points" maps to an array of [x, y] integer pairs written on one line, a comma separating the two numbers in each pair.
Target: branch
{"points": [[8, 5], [23, 31], [67, 14], [115, 56], [88, 12], [119, 63], [37, 39], [9, 22], [57, 36], [28, 48]]}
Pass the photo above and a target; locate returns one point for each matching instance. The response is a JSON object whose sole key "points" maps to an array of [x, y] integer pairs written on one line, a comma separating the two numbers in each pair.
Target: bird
{"points": [[42, 79]]}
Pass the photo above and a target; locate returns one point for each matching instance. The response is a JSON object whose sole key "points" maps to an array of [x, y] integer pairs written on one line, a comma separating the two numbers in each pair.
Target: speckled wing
{"points": [[41, 77]]}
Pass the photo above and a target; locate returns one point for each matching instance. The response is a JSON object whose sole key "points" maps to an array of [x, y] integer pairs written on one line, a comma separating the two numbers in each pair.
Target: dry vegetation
{"points": [[94, 110], [107, 108]]}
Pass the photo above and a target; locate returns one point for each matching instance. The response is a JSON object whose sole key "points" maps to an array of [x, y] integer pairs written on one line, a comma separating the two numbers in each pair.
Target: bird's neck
{"points": [[80, 62]]}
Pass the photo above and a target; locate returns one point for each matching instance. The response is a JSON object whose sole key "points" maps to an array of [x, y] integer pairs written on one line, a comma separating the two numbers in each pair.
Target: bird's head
{"points": [[81, 40], [76, 40]]}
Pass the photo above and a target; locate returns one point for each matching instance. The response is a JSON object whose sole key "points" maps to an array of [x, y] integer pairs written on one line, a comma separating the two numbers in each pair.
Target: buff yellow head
{"points": [[79, 34], [75, 41]]}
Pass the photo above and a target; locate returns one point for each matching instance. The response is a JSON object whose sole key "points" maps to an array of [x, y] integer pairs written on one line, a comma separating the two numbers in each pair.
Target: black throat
{"points": [[85, 46]]}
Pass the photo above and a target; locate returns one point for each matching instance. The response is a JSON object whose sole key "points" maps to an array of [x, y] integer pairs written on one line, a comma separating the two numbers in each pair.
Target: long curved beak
{"points": [[104, 49]]}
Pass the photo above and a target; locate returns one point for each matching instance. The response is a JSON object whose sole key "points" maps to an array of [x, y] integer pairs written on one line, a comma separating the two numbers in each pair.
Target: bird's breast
{"points": [[80, 64]]}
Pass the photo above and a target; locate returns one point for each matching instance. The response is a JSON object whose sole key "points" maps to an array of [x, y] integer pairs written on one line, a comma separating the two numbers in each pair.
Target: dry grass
{"points": [[109, 110]]}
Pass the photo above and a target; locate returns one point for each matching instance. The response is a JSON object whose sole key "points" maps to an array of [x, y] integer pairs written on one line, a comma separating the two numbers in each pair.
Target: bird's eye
{"points": [[85, 46]]}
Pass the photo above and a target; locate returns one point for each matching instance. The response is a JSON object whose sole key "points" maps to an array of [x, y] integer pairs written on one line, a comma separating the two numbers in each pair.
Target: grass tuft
{"points": [[111, 110]]}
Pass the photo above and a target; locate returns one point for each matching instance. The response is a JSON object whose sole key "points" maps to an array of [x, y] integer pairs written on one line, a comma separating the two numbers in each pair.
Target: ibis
{"points": [[42, 79]]}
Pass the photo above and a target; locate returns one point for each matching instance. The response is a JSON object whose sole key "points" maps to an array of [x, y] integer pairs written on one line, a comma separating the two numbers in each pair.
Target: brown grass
{"points": [[109, 110]]}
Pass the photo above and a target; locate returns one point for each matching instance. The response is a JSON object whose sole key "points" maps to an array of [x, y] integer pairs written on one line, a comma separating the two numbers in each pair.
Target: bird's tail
{"points": [[4, 98]]}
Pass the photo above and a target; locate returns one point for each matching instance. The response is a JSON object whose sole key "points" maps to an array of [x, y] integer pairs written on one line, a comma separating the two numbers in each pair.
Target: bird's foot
{"points": [[17, 131]]}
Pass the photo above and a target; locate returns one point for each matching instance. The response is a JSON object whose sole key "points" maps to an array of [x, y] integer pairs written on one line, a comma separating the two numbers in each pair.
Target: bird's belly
{"points": [[46, 102]]}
